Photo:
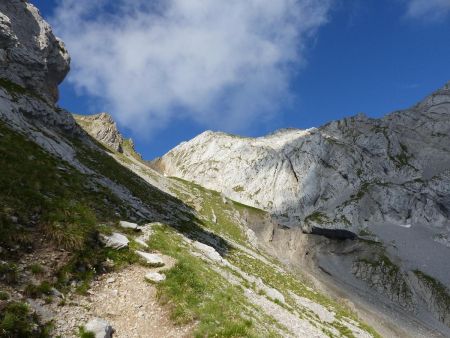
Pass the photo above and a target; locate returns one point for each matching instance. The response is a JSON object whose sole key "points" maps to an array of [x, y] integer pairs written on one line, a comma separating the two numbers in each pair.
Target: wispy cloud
{"points": [[224, 64], [428, 10]]}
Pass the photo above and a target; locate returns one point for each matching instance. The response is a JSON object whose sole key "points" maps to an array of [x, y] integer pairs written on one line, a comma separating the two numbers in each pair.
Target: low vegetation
{"points": [[47, 198], [196, 293], [440, 292], [16, 320]]}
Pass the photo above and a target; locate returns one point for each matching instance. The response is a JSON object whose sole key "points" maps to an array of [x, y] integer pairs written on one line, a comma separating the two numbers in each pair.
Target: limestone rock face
{"points": [[348, 174], [30, 55], [103, 128]]}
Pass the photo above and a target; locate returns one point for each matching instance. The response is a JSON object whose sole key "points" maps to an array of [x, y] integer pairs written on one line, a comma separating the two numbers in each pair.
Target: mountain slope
{"points": [[384, 180], [68, 203], [347, 174]]}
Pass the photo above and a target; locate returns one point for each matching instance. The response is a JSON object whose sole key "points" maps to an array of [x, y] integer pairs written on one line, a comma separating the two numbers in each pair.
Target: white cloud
{"points": [[223, 63], [429, 10]]}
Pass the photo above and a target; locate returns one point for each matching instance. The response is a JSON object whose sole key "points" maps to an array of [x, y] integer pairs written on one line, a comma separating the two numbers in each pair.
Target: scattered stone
{"points": [[151, 259], [100, 327], [45, 315], [129, 225], [155, 277], [110, 280], [115, 241]]}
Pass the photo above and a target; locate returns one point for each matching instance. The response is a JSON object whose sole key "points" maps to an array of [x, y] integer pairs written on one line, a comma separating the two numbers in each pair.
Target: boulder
{"points": [[100, 328], [115, 241]]}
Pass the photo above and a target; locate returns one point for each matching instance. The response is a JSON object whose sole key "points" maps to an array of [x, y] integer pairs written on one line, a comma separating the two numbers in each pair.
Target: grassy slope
{"points": [[44, 197], [211, 203]]}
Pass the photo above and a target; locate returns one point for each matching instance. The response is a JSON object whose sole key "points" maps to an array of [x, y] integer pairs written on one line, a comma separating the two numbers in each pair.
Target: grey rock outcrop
{"points": [[384, 180], [347, 174], [30, 55], [103, 128]]}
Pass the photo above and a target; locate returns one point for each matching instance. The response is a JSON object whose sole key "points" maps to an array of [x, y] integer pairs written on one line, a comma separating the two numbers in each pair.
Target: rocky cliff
{"points": [[382, 185], [348, 174], [30, 55], [103, 128]]}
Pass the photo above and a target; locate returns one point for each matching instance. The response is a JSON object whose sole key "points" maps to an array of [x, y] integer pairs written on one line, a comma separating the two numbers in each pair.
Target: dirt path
{"points": [[127, 302]]}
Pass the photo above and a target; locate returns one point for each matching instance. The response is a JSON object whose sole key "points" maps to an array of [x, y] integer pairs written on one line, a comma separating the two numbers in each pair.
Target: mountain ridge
{"points": [[85, 228], [382, 180]]}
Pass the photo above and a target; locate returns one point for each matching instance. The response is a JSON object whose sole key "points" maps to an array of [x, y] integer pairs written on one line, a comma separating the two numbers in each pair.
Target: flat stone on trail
{"points": [[141, 242], [155, 277], [150, 258], [115, 241], [100, 327], [129, 225]]}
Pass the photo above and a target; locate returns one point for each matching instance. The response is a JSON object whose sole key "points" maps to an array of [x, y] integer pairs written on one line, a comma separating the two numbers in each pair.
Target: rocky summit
{"points": [[337, 231], [384, 180], [103, 128], [348, 174]]}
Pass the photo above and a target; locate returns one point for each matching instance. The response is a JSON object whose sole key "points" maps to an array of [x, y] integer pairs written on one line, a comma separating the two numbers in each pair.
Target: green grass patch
{"points": [[16, 320], [82, 333], [212, 203], [36, 291], [4, 295], [36, 269], [48, 196], [196, 293], [8, 273]]}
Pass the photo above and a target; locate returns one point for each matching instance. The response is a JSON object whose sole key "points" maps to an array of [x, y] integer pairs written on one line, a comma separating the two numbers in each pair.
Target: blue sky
{"points": [[347, 56]]}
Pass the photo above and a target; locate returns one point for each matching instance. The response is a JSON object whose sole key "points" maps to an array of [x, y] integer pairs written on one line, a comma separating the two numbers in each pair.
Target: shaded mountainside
{"points": [[64, 242], [385, 181], [347, 174]]}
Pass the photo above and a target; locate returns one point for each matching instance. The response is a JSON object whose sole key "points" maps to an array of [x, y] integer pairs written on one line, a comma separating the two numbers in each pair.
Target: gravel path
{"points": [[127, 302]]}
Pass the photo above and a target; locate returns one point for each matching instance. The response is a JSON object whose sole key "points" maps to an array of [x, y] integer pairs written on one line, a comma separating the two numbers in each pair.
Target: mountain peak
{"points": [[103, 128]]}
